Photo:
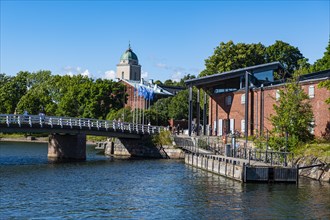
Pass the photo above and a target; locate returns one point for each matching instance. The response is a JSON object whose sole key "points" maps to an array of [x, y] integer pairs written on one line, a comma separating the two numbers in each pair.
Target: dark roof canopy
{"points": [[207, 81]]}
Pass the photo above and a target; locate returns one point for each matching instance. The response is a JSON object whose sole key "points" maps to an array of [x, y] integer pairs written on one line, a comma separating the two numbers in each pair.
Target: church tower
{"points": [[128, 67]]}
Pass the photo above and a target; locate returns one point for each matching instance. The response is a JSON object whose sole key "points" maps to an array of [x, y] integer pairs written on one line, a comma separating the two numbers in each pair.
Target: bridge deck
{"points": [[10, 123]]}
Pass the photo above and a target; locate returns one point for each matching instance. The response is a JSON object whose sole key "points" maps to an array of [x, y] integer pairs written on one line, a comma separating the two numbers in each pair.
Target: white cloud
{"points": [[71, 71], [110, 74], [86, 73], [177, 76]]}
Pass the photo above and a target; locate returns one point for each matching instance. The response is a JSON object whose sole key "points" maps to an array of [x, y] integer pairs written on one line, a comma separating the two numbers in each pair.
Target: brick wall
{"points": [[261, 108]]}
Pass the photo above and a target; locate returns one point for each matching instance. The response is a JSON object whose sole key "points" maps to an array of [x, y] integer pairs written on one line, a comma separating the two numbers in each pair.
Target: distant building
{"points": [[227, 99], [129, 72], [128, 67]]}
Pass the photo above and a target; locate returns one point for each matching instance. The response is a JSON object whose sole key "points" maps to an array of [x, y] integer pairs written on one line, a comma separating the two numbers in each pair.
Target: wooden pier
{"points": [[241, 169]]}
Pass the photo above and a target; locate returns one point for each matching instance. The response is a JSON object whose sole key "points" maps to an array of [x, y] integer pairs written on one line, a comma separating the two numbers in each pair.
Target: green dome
{"points": [[129, 55]]}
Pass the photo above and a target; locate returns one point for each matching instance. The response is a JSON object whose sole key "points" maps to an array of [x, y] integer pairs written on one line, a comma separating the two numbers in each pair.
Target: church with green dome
{"points": [[128, 67]]}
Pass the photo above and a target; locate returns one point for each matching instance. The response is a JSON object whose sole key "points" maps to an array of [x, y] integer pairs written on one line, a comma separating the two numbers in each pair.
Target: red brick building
{"points": [[227, 102]]}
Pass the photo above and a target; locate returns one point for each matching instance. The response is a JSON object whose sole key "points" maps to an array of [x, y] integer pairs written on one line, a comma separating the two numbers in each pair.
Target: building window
{"points": [[311, 92], [243, 126], [122, 75], [228, 100], [277, 96], [243, 99]]}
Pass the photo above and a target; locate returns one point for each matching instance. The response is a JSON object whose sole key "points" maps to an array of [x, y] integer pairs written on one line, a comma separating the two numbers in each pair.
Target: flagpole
{"points": [[133, 106], [143, 106]]}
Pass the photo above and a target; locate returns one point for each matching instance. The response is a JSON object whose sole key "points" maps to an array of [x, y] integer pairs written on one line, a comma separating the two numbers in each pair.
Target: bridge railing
{"points": [[41, 121]]}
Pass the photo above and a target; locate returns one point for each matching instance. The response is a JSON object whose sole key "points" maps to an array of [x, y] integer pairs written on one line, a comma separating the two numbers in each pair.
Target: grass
{"points": [[15, 135], [96, 138], [318, 149]]}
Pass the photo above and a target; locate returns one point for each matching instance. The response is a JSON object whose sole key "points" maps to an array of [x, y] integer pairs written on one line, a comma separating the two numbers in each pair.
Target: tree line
{"points": [[74, 96]]}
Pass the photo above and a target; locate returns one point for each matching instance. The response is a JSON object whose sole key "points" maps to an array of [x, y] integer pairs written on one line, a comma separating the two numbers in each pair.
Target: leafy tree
{"points": [[229, 56], [155, 117], [169, 82], [293, 116], [123, 114], [37, 96], [286, 54], [11, 91], [178, 108], [161, 107], [158, 82], [185, 77]]}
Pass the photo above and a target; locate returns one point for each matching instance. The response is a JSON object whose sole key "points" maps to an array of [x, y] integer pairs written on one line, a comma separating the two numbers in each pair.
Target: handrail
{"points": [[41, 121]]}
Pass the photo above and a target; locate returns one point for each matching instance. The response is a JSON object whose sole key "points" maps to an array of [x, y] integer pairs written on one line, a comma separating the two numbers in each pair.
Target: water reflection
{"points": [[31, 187]]}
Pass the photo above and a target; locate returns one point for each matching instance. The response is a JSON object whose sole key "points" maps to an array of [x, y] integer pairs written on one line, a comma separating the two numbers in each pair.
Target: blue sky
{"points": [[170, 38]]}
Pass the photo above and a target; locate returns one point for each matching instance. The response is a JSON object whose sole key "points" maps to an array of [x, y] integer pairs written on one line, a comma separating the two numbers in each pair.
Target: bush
{"points": [[163, 138]]}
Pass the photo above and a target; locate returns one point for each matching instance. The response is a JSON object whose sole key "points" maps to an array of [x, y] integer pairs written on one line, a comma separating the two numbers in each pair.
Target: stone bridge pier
{"points": [[67, 147]]}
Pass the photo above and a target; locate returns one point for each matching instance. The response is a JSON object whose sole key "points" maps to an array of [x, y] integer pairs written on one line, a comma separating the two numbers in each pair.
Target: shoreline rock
{"points": [[320, 173]]}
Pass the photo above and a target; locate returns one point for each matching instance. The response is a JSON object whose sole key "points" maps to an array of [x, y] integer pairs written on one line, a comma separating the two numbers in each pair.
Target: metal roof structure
{"points": [[214, 79]]}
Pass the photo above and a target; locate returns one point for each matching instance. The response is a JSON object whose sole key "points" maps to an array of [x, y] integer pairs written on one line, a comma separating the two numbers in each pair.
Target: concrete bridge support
{"points": [[144, 148], [66, 147]]}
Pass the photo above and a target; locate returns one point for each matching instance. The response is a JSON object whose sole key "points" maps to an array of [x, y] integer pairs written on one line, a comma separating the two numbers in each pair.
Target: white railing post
{"points": [[40, 121], [79, 123], [106, 125], [19, 120], [30, 121], [113, 125], [61, 122], [51, 122], [7, 120], [70, 122], [97, 125], [89, 124]]}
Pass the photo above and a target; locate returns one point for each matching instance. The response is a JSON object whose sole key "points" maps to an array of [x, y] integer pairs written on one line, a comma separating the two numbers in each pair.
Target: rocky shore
{"points": [[315, 168]]}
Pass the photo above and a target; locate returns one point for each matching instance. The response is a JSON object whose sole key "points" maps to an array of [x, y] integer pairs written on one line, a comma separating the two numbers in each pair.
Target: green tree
{"points": [[286, 54], [37, 96], [161, 107], [293, 116], [11, 91], [229, 56], [184, 78], [178, 108], [124, 114]]}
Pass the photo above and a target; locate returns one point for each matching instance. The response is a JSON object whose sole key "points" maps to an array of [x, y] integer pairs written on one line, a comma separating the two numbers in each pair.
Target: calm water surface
{"points": [[106, 188]]}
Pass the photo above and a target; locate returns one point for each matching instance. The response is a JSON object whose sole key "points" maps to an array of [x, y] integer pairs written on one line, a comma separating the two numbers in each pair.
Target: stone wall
{"points": [[321, 173], [141, 148]]}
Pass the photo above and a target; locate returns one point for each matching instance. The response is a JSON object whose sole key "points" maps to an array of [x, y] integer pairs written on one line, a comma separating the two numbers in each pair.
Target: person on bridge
{"points": [[178, 129]]}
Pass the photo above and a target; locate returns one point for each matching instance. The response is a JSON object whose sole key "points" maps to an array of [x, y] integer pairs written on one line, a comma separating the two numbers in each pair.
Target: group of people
{"points": [[175, 129]]}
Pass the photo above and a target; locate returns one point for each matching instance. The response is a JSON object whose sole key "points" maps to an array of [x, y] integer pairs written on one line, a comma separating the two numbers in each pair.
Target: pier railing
{"points": [[216, 147], [42, 121]]}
